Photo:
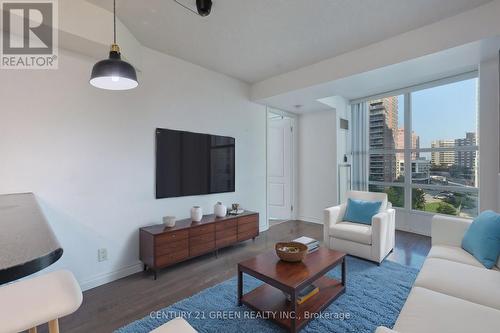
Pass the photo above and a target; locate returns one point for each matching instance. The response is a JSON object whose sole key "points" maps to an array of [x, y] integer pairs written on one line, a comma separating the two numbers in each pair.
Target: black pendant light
{"points": [[114, 73], [203, 7]]}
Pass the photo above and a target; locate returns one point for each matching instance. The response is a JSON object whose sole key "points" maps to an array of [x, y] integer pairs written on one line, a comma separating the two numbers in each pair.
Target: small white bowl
{"points": [[169, 221]]}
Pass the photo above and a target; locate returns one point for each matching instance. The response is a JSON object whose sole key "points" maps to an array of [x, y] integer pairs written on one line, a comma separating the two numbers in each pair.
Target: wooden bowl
{"points": [[296, 251]]}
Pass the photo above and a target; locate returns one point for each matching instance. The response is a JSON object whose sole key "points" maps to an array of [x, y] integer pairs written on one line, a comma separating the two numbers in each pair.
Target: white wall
{"points": [[88, 154], [343, 139], [317, 141], [343, 110]]}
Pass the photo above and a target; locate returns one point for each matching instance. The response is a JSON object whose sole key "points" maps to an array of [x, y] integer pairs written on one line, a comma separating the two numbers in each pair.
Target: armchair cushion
{"points": [[361, 211], [355, 232]]}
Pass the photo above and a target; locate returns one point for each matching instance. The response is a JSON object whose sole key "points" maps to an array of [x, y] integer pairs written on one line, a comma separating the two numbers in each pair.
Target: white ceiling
{"points": [[257, 39]]}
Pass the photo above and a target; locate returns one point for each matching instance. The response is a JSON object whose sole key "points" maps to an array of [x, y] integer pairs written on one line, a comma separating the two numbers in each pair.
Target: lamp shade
{"points": [[113, 73]]}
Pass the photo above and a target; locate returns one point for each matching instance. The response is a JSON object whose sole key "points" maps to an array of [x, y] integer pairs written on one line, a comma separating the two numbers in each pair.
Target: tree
{"points": [[396, 196], [446, 208], [418, 199]]}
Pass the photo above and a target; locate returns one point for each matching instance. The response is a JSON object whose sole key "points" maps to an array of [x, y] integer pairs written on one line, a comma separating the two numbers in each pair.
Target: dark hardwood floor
{"points": [[118, 303]]}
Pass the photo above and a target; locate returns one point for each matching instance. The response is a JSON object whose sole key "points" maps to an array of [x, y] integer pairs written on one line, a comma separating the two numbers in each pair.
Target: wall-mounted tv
{"points": [[190, 163]]}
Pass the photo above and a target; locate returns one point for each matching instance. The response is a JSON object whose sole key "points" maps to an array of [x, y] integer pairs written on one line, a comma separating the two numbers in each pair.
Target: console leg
{"points": [[155, 272], [145, 268]]}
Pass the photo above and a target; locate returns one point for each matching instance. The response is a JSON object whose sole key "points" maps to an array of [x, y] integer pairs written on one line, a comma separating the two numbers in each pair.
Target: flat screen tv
{"points": [[193, 163]]}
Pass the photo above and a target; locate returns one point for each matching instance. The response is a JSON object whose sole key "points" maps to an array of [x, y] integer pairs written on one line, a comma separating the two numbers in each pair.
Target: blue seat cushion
{"points": [[361, 211], [482, 239]]}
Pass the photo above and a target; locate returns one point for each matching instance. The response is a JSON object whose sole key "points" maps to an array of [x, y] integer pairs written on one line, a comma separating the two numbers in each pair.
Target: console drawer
{"points": [[205, 238], [248, 219], [226, 233], [171, 237], [176, 246], [171, 258], [225, 224], [204, 229], [248, 227], [198, 249]]}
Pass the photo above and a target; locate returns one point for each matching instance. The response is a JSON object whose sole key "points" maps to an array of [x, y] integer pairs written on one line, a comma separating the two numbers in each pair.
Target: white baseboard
{"points": [[310, 219], [100, 279]]}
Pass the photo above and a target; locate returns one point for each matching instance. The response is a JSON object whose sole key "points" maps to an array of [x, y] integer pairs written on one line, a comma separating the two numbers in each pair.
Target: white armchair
{"points": [[373, 242]]}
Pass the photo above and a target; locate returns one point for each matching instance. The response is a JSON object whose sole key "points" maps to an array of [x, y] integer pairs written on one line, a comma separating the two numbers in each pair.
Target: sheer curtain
{"points": [[360, 157]]}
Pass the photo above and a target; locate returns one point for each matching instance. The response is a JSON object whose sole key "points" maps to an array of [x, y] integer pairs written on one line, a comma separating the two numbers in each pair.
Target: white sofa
{"points": [[453, 292], [372, 242]]}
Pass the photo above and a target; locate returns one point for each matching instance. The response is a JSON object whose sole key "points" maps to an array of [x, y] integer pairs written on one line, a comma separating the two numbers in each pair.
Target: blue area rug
{"points": [[374, 297]]}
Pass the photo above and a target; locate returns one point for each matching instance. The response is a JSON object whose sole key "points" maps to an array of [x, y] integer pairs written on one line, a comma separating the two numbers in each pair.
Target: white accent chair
{"points": [[373, 242]]}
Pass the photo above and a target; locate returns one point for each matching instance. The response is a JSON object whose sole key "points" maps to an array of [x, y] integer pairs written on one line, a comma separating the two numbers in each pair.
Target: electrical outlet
{"points": [[102, 254]]}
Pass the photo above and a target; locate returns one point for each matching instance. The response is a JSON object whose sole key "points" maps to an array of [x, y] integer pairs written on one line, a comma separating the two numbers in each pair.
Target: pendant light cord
{"points": [[114, 21]]}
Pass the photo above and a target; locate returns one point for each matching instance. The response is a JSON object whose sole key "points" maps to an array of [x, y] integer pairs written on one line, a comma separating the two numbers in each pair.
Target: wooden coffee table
{"points": [[291, 278]]}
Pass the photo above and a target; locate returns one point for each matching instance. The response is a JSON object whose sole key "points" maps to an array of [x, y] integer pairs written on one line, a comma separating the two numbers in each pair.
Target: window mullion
{"points": [[407, 151]]}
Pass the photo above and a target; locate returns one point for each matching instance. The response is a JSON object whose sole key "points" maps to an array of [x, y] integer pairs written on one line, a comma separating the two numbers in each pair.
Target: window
{"points": [[423, 149]]}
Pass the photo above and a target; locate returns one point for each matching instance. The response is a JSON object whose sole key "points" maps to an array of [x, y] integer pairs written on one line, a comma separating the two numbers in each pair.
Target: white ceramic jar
{"points": [[196, 214], [220, 210]]}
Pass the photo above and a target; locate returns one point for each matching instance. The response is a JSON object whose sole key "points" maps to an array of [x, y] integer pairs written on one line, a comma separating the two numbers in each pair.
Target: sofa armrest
{"points": [[383, 233], [382, 329], [332, 215], [447, 230]]}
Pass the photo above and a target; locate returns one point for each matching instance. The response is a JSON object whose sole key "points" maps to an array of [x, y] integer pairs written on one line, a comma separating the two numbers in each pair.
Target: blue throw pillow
{"points": [[482, 239], [361, 211]]}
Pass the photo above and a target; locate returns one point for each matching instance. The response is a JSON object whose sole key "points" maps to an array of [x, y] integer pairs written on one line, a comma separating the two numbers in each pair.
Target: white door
{"points": [[280, 168]]}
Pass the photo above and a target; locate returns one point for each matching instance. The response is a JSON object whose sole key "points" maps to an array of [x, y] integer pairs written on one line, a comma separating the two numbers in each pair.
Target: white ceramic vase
{"points": [[196, 214], [220, 210]]}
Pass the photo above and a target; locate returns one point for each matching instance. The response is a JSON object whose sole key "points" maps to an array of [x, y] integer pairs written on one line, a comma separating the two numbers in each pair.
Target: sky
{"points": [[444, 112]]}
